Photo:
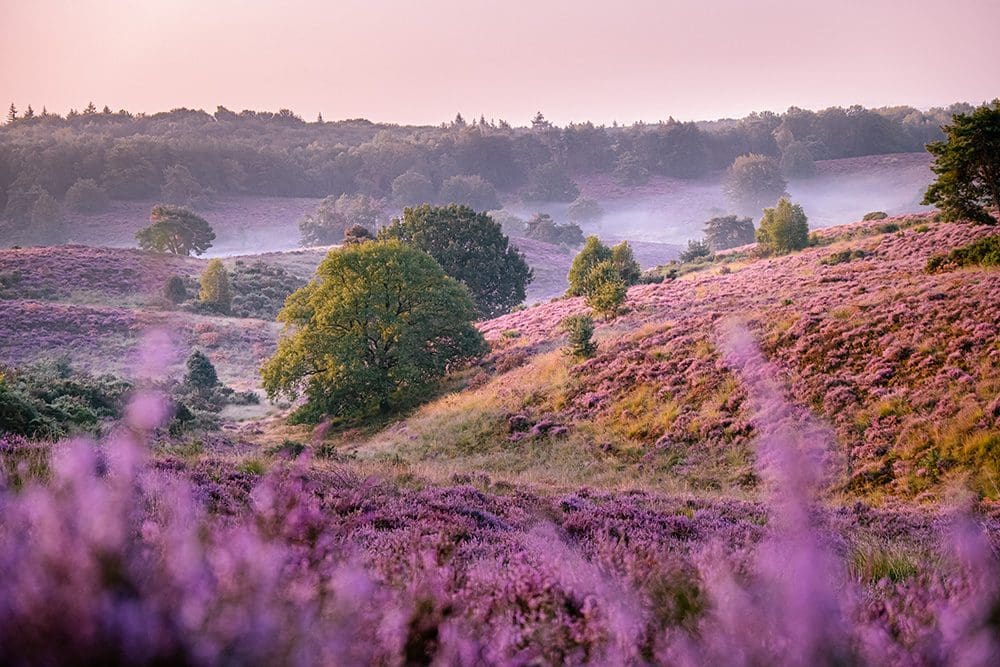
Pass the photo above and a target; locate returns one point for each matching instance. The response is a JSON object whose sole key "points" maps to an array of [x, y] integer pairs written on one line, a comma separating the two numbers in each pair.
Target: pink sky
{"points": [[420, 61]]}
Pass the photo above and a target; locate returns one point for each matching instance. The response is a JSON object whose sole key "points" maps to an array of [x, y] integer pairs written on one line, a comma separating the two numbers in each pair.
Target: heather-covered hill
{"points": [[902, 365]]}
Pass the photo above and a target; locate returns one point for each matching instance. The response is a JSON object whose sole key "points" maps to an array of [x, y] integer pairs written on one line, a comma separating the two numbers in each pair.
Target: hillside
{"points": [[901, 364]]}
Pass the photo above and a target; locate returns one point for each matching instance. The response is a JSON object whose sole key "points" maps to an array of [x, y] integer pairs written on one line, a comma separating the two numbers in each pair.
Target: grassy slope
{"points": [[903, 365]]}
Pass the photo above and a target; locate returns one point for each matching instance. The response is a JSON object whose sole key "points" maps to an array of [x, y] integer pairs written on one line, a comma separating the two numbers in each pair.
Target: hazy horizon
{"points": [[573, 61]]}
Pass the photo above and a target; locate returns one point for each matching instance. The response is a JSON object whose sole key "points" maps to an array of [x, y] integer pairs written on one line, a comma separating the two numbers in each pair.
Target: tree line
{"points": [[186, 156]]}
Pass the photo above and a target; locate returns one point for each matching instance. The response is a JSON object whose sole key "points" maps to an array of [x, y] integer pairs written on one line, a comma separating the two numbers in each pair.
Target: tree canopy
{"points": [[967, 165], [471, 248], [379, 324], [175, 230], [783, 228], [335, 215], [620, 257], [753, 182], [730, 231]]}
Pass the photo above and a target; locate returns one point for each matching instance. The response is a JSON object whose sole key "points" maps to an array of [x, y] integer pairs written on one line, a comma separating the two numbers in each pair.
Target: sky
{"points": [[422, 61]]}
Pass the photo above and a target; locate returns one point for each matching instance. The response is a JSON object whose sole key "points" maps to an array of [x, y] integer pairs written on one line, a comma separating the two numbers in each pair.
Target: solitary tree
{"points": [[624, 260], [753, 182], [605, 290], [695, 250], [729, 231], [585, 210], [174, 290], [215, 291], [783, 228], [593, 253], [175, 230], [380, 323], [580, 332], [327, 224], [471, 248], [11, 113], [200, 372], [967, 164]]}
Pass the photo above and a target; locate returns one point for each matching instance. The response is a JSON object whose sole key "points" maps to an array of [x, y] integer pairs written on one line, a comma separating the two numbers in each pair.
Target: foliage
{"points": [[543, 228], [983, 252], [86, 196], [52, 400], [624, 260], [875, 215], [783, 228], [471, 248], [753, 182], [181, 188], [585, 211], [175, 290], [473, 191], [335, 215], [580, 331], [797, 161], [730, 231], [510, 224], [378, 326], [629, 170], [47, 220], [593, 253], [357, 234], [550, 182], [175, 230], [259, 290], [967, 166], [695, 250], [604, 289], [215, 292], [413, 188], [842, 256], [200, 371]]}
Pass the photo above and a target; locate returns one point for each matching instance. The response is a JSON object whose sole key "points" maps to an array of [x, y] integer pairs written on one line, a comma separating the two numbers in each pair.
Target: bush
{"points": [[580, 330], [86, 196], [730, 231], [695, 251], [200, 372], [335, 215], [984, 252], [624, 260], [783, 228], [593, 253], [174, 290], [215, 292], [259, 290], [605, 290], [585, 211], [843, 256], [357, 234], [543, 228], [875, 215]]}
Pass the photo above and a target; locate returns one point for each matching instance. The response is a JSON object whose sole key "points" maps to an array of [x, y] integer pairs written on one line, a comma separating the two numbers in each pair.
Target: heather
{"points": [[116, 552]]}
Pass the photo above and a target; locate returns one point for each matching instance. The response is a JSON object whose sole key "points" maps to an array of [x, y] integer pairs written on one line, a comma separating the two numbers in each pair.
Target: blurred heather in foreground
{"points": [[111, 556]]}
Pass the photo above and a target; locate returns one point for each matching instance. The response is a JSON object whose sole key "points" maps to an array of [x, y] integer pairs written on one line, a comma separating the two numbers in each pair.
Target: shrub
{"points": [[696, 250], [200, 372], [605, 290], [843, 256], [624, 260], [174, 290], [580, 330], [334, 215], [357, 234], [593, 253], [86, 196], [875, 215], [259, 290], [215, 292], [983, 252], [783, 228], [731, 231], [543, 228]]}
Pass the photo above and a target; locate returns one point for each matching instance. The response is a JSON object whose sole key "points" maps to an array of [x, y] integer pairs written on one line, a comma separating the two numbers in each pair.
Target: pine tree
{"points": [[12, 113], [90, 109], [201, 373], [29, 112], [319, 118]]}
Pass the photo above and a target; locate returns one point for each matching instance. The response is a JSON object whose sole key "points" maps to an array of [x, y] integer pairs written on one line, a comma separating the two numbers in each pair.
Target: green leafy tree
{"points": [[630, 171], [783, 228], [215, 291], [543, 228], [472, 191], [967, 165], [593, 253], [379, 325], [580, 332], [605, 290], [412, 188], [175, 230], [334, 215], [200, 372], [753, 182], [471, 248], [47, 220], [624, 260], [729, 231], [180, 187], [585, 211]]}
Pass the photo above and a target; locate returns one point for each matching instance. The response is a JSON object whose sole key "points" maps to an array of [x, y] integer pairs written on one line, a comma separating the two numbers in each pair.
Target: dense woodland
{"points": [[188, 155]]}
